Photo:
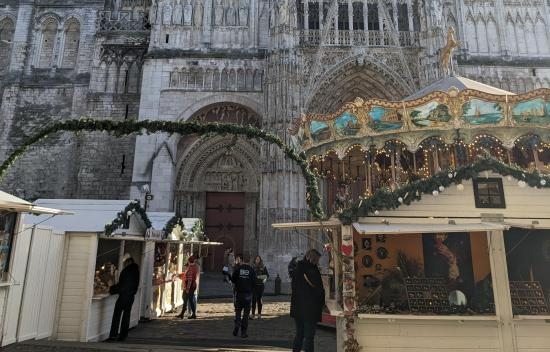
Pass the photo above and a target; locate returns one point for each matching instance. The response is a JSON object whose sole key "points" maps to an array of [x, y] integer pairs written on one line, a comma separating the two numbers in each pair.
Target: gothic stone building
{"points": [[258, 62]]}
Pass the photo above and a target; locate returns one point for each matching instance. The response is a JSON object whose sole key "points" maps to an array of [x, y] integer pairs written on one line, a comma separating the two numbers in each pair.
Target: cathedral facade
{"points": [[253, 62]]}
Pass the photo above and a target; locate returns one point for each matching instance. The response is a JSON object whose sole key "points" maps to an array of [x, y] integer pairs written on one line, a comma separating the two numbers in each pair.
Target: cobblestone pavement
{"points": [[210, 332]]}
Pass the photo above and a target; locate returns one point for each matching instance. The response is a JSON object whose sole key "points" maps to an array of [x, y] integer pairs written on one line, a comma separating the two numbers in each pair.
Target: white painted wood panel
{"points": [[34, 285], [421, 335], [520, 202], [51, 286], [74, 293], [532, 336], [18, 266]]}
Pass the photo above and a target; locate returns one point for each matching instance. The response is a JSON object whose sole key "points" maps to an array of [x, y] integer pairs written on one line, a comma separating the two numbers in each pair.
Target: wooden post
{"points": [[501, 291]]}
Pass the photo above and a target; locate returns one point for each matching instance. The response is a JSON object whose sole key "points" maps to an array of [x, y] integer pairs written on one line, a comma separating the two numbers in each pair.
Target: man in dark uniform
{"points": [[126, 288], [244, 279]]}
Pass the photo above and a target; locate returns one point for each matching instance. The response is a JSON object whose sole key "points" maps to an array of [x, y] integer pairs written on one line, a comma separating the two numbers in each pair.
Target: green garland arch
{"points": [[128, 127], [385, 199]]}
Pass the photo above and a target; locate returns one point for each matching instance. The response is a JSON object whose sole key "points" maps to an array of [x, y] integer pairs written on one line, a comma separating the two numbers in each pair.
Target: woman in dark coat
{"points": [[261, 277], [307, 301]]}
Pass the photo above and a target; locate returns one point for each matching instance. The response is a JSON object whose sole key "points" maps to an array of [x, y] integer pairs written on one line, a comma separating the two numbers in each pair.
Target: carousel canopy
{"points": [[449, 109], [460, 83]]}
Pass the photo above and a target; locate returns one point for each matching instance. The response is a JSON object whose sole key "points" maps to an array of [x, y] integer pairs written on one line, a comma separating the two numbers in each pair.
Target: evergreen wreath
{"points": [[127, 127], [131, 208], [384, 199]]}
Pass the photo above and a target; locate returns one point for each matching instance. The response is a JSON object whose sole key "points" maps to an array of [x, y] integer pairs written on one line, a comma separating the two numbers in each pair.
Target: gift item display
{"points": [[106, 269], [159, 265], [430, 273], [528, 258], [7, 228]]}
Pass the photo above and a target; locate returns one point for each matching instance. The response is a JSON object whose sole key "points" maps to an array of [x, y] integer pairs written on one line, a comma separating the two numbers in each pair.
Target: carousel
{"points": [[439, 236]]}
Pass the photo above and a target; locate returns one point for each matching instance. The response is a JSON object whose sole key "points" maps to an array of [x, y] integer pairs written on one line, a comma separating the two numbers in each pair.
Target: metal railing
{"points": [[311, 37], [123, 21]]}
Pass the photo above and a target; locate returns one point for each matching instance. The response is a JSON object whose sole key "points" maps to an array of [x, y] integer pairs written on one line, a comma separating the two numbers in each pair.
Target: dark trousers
{"points": [[123, 306], [189, 298], [257, 298], [305, 335], [242, 307]]}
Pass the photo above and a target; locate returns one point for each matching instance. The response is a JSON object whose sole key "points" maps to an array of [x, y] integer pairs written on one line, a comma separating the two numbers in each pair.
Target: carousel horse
{"points": [[447, 51]]}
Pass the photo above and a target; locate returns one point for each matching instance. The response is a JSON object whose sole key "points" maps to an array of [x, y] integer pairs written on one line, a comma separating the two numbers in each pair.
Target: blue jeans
{"points": [[242, 311], [305, 335], [189, 297]]}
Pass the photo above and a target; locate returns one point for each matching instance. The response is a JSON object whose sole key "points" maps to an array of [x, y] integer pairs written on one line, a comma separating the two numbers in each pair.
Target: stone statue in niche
{"points": [[283, 12], [166, 15], [243, 13], [187, 13], [177, 13], [272, 15], [436, 9], [153, 12], [230, 14], [198, 11], [218, 13]]}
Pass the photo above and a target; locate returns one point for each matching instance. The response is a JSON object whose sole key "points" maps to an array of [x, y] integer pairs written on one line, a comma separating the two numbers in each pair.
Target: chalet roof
{"points": [[461, 83]]}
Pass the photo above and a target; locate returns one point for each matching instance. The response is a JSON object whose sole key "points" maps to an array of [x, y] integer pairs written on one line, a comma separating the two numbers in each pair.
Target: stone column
{"points": [[21, 35], [282, 196]]}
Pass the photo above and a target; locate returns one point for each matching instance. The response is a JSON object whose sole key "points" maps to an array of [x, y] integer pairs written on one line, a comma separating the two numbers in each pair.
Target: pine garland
{"points": [[118, 222], [384, 199], [127, 127]]}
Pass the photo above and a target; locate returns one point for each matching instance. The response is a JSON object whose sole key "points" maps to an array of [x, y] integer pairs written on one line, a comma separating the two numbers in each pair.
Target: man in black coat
{"points": [[244, 280], [307, 301], [126, 288]]}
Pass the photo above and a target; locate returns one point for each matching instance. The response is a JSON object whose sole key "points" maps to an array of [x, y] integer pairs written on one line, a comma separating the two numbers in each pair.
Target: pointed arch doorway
{"points": [[218, 180]]}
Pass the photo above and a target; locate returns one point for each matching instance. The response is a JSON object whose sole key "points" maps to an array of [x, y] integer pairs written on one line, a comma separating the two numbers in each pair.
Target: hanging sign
{"points": [[154, 235]]}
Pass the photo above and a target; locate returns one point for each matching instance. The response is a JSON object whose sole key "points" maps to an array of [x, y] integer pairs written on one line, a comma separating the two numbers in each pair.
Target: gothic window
{"points": [[343, 20], [300, 13], [416, 16], [72, 40], [258, 80], [520, 36], [542, 36], [313, 15], [402, 17], [49, 31], [511, 34], [216, 80], [123, 77], [110, 86], [358, 18], [483, 46], [373, 20], [471, 36], [6, 39], [493, 37], [530, 37]]}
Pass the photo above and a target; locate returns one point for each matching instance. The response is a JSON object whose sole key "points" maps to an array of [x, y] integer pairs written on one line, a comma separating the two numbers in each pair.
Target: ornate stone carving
{"points": [[166, 15], [243, 13], [178, 13], [187, 13], [230, 14], [218, 13], [198, 11]]}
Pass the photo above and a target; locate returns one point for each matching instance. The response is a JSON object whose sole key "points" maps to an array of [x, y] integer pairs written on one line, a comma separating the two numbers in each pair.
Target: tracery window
{"points": [[358, 18], [49, 31], [343, 21], [313, 15], [373, 20], [6, 39], [402, 17], [72, 41]]}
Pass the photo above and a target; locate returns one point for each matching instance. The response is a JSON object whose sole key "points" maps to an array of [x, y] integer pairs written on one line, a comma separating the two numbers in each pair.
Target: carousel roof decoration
{"points": [[451, 105]]}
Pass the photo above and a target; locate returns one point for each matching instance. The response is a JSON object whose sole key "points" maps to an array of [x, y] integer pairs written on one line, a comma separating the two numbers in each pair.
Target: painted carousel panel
{"points": [[481, 112], [432, 114], [347, 124], [320, 131], [535, 111], [383, 119]]}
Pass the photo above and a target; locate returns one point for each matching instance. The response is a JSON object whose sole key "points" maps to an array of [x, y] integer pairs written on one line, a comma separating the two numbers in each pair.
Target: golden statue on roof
{"points": [[447, 52]]}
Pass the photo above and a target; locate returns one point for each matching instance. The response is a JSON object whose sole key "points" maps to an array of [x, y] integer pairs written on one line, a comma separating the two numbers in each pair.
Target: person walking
{"points": [[228, 262], [307, 300], [244, 279], [189, 279], [126, 289], [261, 277]]}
